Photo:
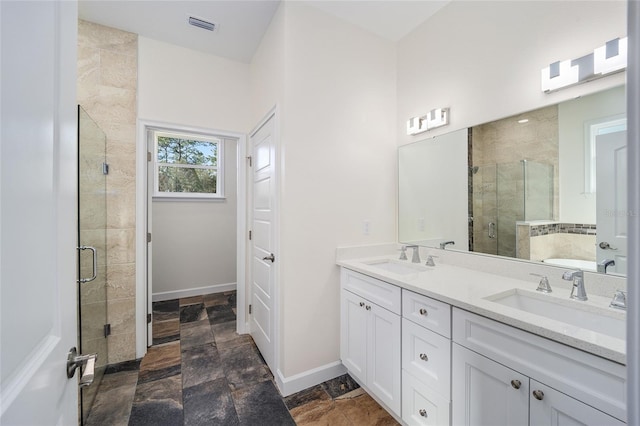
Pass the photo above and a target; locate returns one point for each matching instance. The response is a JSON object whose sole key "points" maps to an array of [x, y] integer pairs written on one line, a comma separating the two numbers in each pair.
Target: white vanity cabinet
{"points": [[502, 375], [370, 335], [426, 360]]}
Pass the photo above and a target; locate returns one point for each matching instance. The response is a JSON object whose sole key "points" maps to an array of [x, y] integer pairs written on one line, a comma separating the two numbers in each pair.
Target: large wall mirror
{"points": [[547, 185]]}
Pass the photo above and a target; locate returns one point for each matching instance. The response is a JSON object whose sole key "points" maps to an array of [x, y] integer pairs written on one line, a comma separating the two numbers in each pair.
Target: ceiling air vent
{"points": [[202, 24]]}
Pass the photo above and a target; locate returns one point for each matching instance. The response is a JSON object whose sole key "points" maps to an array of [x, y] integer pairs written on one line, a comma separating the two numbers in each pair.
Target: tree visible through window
{"points": [[188, 165]]}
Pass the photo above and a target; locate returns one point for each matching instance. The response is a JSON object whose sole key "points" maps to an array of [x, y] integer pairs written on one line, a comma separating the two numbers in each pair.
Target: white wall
{"points": [[576, 206], [338, 165], [194, 243], [483, 59]]}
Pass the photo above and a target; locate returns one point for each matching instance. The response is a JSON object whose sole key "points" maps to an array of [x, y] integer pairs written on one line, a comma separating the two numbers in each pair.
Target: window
{"points": [[188, 165]]}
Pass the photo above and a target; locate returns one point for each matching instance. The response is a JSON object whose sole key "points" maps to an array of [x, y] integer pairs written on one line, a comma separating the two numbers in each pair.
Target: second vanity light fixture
{"points": [[435, 118], [607, 59]]}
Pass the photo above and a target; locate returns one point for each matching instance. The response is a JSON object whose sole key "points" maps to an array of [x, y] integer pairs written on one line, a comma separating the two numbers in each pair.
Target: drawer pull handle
{"points": [[423, 311], [368, 308], [538, 394], [424, 357], [423, 412], [361, 304], [516, 384]]}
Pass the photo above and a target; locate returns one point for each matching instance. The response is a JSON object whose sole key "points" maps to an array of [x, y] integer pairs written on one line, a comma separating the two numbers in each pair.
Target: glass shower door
{"points": [[92, 250]]}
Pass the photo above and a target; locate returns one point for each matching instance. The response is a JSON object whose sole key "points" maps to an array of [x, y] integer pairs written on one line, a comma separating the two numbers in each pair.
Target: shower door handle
{"points": [[95, 264], [492, 230]]}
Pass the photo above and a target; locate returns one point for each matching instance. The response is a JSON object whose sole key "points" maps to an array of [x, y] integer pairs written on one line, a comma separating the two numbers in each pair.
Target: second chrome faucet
{"points": [[578, 291]]}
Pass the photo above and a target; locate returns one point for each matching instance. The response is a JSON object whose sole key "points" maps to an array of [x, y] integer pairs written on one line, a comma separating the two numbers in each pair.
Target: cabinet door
{"points": [[353, 335], [550, 407], [487, 393], [383, 360]]}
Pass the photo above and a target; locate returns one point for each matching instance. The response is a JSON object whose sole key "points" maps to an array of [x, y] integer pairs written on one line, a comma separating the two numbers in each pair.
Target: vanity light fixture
{"points": [[604, 60], [201, 23], [435, 118]]}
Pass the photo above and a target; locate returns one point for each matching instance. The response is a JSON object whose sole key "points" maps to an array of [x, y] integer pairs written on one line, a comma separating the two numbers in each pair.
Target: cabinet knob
{"points": [[516, 384], [538, 394], [423, 412], [368, 308], [423, 311], [424, 357], [361, 304]]}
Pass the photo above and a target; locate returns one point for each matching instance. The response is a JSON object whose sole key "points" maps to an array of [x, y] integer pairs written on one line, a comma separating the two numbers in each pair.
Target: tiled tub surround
{"points": [[551, 240], [464, 280]]}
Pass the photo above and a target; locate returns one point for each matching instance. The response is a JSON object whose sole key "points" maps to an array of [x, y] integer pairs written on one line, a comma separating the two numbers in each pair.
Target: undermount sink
{"points": [[397, 267], [589, 317]]}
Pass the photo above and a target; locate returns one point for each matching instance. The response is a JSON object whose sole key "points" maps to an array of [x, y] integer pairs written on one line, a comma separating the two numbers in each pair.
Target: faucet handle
{"points": [[543, 285], [403, 252], [430, 261], [619, 300], [570, 275]]}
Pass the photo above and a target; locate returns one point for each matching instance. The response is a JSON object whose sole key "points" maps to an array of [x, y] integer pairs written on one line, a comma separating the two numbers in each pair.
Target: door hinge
{"points": [[249, 309], [249, 235], [250, 161], [148, 156], [148, 318], [105, 168], [148, 237], [107, 330]]}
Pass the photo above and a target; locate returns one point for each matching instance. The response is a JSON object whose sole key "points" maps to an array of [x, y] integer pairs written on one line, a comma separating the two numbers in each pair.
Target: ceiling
{"points": [[242, 23]]}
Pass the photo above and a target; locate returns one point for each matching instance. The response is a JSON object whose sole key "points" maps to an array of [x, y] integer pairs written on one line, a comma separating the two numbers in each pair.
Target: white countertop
{"points": [[468, 288]]}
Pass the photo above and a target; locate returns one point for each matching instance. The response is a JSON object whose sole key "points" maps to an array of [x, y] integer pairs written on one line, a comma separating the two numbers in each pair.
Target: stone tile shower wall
{"points": [[506, 142], [107, 89]]}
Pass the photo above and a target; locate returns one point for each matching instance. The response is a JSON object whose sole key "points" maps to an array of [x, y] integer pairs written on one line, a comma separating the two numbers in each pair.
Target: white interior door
{"points": [[38, 196], [263, 258], [611, 199]]}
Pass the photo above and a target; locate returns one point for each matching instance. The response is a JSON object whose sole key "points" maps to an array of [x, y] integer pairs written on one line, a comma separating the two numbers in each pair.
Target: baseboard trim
{"points": [[309, 378], [198, 291]]}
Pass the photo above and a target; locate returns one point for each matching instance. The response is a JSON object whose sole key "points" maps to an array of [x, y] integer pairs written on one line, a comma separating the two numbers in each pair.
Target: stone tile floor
{"points": [[199, 371]]}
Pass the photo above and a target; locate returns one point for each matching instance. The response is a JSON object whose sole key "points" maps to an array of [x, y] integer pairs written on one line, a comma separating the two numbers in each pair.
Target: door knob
{"points": [[271, 257], [538, 394], [516, 384], [74, 361], [605, 246]]}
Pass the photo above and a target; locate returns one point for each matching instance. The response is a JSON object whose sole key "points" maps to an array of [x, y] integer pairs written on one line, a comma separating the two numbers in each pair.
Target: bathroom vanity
{"points": [[447, 345]]}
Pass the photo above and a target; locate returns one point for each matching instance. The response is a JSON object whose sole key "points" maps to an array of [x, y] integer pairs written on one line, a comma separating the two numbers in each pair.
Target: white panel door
{"points": [[552, 408], [38, 157], [485, 393], [263, 257], [611, 199]]}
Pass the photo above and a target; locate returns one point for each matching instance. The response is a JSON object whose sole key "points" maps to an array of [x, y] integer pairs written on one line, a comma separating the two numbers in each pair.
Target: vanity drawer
{"points": [[379, 292], [427, 312], [427, 356], [421, 405]]}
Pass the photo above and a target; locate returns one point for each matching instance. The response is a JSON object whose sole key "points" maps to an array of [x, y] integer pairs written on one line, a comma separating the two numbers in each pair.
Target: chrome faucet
{"points": [[416, 254], [430, 261], [445, 244], [578, 291], [619, 300], [602, 266]]}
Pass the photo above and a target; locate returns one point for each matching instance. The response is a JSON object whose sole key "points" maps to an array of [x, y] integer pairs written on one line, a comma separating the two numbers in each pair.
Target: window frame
{"points": [[200, 137]]}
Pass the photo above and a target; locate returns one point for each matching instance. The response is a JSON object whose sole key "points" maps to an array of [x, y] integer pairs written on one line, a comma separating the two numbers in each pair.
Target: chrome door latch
{"points": [[88, 361]]}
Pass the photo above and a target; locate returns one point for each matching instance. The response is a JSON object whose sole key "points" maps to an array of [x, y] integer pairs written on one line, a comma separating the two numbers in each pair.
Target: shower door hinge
{"points": [[250, 161], [249, 235], [148, 156], [107, 330], [148, 237], [105, 168], [148, 318], [249, 309]]}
